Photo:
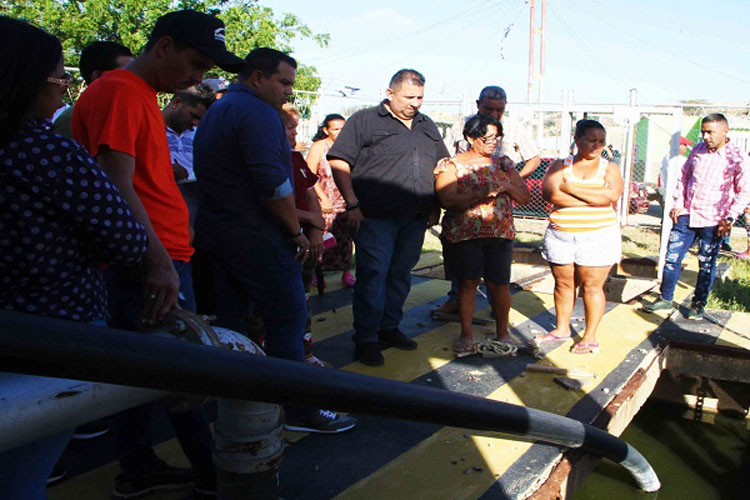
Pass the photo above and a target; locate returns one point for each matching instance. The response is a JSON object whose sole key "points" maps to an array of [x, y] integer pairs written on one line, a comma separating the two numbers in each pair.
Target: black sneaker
{"points": [[56, 475], [322, 422], [395, 338], [204, 490], [695, 312], [90, 431], [160, 477], [659, 305], [368, 353]]}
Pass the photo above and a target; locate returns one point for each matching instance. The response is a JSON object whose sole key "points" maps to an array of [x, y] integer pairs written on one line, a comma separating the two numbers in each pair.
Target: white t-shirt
{"points": [[181, 149]]}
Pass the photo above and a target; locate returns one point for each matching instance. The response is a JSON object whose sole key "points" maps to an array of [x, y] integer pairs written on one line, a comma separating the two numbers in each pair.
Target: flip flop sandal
{"points": [[463, 348], [549, 337], [585, 348]]}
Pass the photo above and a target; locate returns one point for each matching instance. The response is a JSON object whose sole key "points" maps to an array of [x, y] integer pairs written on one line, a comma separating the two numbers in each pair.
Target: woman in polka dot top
{"points": [[61, 218]]}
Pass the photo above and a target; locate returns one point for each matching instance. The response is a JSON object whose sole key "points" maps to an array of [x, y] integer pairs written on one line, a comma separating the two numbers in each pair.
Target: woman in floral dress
{"points": [[476, 189], [331, 201]]}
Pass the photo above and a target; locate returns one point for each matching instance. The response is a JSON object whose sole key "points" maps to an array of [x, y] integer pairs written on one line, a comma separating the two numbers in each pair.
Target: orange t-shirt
{"points": [[120, 110]]}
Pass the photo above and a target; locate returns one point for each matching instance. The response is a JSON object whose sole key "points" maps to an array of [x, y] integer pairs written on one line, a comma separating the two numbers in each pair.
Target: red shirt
{"points": [[304, 179], [120, 110]]}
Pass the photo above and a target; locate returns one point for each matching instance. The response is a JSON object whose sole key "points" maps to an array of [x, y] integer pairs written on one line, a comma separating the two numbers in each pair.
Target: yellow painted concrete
{"points": [[329, 323], [436, 346], [458, 464], [428, 259], [736, 332], [98, 483]]}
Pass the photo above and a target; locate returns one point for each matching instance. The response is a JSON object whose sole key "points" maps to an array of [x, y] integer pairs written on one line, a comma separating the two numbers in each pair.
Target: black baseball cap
{"points": [[203, 32]]}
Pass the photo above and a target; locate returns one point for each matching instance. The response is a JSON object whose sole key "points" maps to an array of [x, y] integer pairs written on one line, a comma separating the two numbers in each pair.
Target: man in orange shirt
{"points": [[119, 121]]}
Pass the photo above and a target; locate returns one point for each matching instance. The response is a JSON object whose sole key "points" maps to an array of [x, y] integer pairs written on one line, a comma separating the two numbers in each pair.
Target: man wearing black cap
{"points": [[119, 121], [247, 222]]}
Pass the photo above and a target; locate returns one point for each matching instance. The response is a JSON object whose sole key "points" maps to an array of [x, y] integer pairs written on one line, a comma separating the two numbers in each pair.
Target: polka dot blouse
{"points": [[60, 219]]}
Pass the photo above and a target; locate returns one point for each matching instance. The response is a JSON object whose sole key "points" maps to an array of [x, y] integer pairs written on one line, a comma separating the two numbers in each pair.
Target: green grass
{"points": [[733, 292]]}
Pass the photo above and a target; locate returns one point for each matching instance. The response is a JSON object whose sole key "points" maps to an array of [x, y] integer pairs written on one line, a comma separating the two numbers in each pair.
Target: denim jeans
{"points": [[124, 294], [266, 275], [24, 470], [191, 427], [387, 250], [680, 239]]}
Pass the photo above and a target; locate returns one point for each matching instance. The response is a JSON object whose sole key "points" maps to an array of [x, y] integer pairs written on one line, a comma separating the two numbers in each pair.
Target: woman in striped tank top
{"points": [[582, 241]]}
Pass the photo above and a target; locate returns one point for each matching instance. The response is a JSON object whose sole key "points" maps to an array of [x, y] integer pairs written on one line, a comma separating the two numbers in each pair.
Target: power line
{"points": [[652, 46], [581, 43], [390, 41], [430, 44]]}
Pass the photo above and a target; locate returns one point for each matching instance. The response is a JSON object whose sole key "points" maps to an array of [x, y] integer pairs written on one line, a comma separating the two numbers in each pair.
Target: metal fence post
{"points": [[629, 157], [566, 123]]}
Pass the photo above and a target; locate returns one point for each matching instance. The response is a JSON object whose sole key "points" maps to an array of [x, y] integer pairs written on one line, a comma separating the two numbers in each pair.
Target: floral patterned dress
{"points": [[491, 217], [340, 256]]}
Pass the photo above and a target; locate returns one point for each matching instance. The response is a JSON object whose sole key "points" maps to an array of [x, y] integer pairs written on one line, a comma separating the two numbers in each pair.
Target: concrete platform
{"points": [[386, 459]]}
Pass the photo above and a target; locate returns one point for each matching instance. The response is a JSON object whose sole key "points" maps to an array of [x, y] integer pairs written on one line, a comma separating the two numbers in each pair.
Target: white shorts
{"points": [[602, 247]]}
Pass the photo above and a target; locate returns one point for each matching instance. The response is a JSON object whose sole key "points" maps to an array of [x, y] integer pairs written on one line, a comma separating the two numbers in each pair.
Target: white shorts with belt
{"points": [[598, 248]]}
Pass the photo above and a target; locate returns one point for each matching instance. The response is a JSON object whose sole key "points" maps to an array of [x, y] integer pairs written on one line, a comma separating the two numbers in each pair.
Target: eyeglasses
{"points": [[63, 82], [490, 138]]}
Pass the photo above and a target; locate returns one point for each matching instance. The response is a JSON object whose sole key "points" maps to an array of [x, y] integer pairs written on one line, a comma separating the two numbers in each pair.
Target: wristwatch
{"points": [[352, 206]]}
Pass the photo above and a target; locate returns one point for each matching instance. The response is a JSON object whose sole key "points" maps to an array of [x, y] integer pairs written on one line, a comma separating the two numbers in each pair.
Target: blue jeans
{"points": [[124, 294], [387, 251], [186, 295], [191, 427], [263, 273], [680, 239], [24, 470]]}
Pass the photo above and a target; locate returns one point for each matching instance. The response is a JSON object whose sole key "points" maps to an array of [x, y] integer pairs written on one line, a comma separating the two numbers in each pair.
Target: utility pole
{"points": [[535, 75]]}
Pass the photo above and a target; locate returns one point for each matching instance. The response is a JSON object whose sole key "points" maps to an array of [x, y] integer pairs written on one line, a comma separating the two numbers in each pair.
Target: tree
{"points": [[77, 23]]}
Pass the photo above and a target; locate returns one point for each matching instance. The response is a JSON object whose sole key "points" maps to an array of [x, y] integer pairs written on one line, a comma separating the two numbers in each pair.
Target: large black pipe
{"points": [[50, 347]]}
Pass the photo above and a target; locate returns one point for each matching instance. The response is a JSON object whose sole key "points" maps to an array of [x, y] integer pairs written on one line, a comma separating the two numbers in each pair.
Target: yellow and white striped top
{"points": [[582, 219]]}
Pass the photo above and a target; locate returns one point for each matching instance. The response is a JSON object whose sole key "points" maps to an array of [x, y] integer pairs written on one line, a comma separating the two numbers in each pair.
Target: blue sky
{"points": [[669, 50]]}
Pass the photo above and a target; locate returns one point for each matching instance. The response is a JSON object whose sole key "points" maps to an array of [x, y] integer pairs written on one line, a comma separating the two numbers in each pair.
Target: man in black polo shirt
{"points": [[382, 163]]}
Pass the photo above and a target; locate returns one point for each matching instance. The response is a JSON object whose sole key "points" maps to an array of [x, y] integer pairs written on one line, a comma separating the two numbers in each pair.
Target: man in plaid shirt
{"points": [[713, 189]]}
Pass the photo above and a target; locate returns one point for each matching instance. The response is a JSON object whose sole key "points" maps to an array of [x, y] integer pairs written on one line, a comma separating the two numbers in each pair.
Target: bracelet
{"points": [[327, 210], [352, 206]]}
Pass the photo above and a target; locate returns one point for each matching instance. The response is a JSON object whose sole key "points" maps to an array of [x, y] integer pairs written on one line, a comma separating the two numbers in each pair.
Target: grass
{"points": [[636, 241], [733, 292]]}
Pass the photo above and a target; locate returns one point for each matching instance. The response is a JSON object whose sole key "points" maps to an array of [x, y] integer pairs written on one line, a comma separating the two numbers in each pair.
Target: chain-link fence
{"points": [[640, 139], [447, 115]]}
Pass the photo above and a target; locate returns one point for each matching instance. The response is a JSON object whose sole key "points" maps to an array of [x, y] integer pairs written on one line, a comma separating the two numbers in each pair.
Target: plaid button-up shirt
{"points": [[713, 185]]}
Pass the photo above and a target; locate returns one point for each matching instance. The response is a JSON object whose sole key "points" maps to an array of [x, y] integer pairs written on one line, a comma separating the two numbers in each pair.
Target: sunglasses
{"points": [[63, 82]]}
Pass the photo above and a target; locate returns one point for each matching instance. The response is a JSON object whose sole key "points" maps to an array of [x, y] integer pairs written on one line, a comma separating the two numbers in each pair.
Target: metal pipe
{"points": [[44, 346], [248, 435], [542, 34], [532, 34], [32, 408]]}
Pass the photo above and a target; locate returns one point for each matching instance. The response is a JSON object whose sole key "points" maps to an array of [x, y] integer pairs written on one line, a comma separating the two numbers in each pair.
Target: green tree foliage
{"points": [[79, 22]]}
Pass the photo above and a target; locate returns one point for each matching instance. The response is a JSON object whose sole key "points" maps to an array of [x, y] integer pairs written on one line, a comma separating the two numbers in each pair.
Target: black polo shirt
{"points": [[391, 164]]}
